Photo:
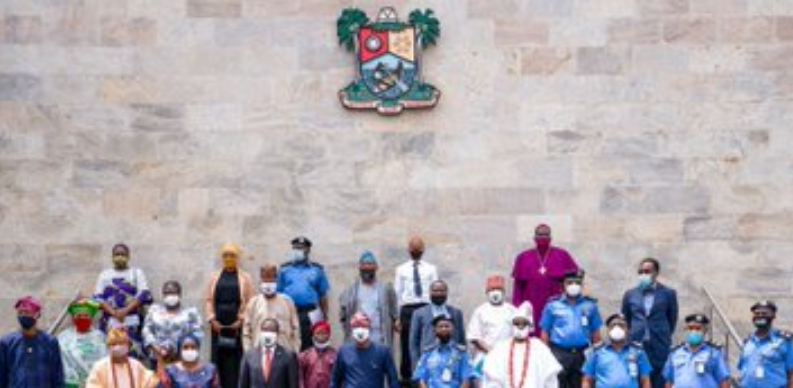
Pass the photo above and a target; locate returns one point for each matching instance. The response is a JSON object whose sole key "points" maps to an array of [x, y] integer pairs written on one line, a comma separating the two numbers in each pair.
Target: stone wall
{"points": [[634, 127]]}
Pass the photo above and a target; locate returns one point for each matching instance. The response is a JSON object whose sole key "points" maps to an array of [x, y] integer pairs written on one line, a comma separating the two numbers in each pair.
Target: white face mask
{"points": [[495, 296], [268, 288], [298, 255], [645, 280], [617, 333], [573, 289], [190, 355], [268, 339], [120, 350], [321, 345], [171, 300], [360, 334], [521, 332]]}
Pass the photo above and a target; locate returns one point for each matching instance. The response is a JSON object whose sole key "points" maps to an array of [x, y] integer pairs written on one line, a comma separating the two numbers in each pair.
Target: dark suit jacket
{"points": [[422, 334], [283, 370], [661, 321]]}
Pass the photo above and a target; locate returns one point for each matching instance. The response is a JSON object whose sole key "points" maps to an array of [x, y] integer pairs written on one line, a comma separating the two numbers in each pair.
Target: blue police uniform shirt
{"points": [[443, 366], [305, 282], [571, 325], [612, 368], [705, 368], [765, 362]]}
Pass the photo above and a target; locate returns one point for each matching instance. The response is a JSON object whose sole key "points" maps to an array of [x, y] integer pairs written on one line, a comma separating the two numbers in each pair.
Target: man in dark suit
{"points": [[269, 365], [651, 311], [422, 333]]}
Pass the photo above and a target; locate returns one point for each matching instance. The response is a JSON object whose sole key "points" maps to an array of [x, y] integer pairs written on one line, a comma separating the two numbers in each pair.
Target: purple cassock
{"points": [[538, 277]]}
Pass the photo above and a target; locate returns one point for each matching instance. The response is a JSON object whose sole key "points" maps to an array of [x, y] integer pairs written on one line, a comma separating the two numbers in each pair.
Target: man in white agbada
{"points": [[521, 362], [491, 322]]}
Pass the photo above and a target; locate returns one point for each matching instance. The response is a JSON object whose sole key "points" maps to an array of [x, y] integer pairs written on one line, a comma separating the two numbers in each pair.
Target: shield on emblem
{"points": [[388, 61]]}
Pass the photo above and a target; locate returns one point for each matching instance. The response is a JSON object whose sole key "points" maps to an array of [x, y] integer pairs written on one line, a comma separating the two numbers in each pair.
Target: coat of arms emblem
{"points": [[388, 58]]}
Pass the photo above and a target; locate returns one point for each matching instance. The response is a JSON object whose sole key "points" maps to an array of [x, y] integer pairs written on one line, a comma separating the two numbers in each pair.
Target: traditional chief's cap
{"points": [[301, 240], [764, 304], [368, 258], [28, 303], [86, 306], [360, 320], [495, 281], [576, 274], [117, 335], [232, 249], [441, 318], [615, 317], [524, 311], [698, 318], [321, 326]]}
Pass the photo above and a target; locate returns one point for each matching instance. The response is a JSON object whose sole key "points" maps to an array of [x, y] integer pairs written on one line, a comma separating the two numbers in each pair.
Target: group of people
{"points": [[275, 333]]}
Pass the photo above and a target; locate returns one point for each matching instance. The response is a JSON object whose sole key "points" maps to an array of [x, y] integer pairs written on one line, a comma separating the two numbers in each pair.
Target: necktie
{"points": [[416, 280], [268, 361]]}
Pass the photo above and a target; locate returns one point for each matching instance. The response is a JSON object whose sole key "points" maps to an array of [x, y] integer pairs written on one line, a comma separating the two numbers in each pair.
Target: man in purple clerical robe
{"points": [[538, 273]]}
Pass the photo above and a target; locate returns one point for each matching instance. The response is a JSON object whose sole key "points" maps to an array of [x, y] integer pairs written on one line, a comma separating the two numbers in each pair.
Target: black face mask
{"points": [[27, 322], [762, 323], [368, 276], [438, 300]]}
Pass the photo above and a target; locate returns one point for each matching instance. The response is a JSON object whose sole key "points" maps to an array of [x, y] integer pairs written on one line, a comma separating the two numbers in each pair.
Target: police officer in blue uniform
{"points": [[618, 364], [306, 283], [444, 364], [570, 323], [767, 357], [697, 363]]}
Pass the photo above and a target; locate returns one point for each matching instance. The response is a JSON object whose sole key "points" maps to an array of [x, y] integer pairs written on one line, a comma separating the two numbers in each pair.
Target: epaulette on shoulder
{"points": [[429, 348], [785, 334], [318, 265], [461, 347], [714, 344], [591, 298], [678, 346], [599, 345], [636, 344], [288, 263]]}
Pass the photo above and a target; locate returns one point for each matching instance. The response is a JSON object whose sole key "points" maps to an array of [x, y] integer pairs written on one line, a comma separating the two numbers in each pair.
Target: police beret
{"points": [[577, 274], [764, 304], [301, 240], [615, 317], [698, 318], [441, 318]]}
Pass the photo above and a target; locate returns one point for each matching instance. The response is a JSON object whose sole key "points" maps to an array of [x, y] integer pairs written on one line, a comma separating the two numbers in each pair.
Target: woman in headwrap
{"points": [[167, 322], [227, 295], [119, 370], [190, 372], [81, 345]]}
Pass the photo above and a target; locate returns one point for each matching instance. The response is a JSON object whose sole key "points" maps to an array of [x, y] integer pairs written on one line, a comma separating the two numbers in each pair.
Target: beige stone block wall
{"points": [[635, 127]]}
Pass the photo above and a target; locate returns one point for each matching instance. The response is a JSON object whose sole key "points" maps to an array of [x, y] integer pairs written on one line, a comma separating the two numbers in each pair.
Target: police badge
{"points": [[388, 60]]}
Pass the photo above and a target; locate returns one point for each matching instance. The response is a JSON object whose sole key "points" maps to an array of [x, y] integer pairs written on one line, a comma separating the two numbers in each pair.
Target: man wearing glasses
{"points": [[651, 311]]}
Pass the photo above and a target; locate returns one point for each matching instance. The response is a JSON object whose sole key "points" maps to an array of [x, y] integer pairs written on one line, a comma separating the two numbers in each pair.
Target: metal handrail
{"points": [[730, 328]]}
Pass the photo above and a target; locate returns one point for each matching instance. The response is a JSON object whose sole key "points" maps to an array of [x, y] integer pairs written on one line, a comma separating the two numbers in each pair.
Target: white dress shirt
{"points": [[404, 286]]}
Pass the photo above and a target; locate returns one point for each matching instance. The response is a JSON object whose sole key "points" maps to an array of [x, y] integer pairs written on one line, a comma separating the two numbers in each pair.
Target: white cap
{"points": [[525, 311]]}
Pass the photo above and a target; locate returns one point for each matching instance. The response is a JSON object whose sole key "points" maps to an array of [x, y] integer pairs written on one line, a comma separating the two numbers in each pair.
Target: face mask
{"points": [[617, 334], [268, 288], [321, 345], [645, 280], [27, 322], [438, 300], [495, 296], [120, 261], [190, 355], [695, 337], [573, 289], [82, 325], [171, 300], [268, 339], [119, 351], [761, 323], [542, 242], [520, 332], [298, 255], [360, 334], [367, 276]]}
